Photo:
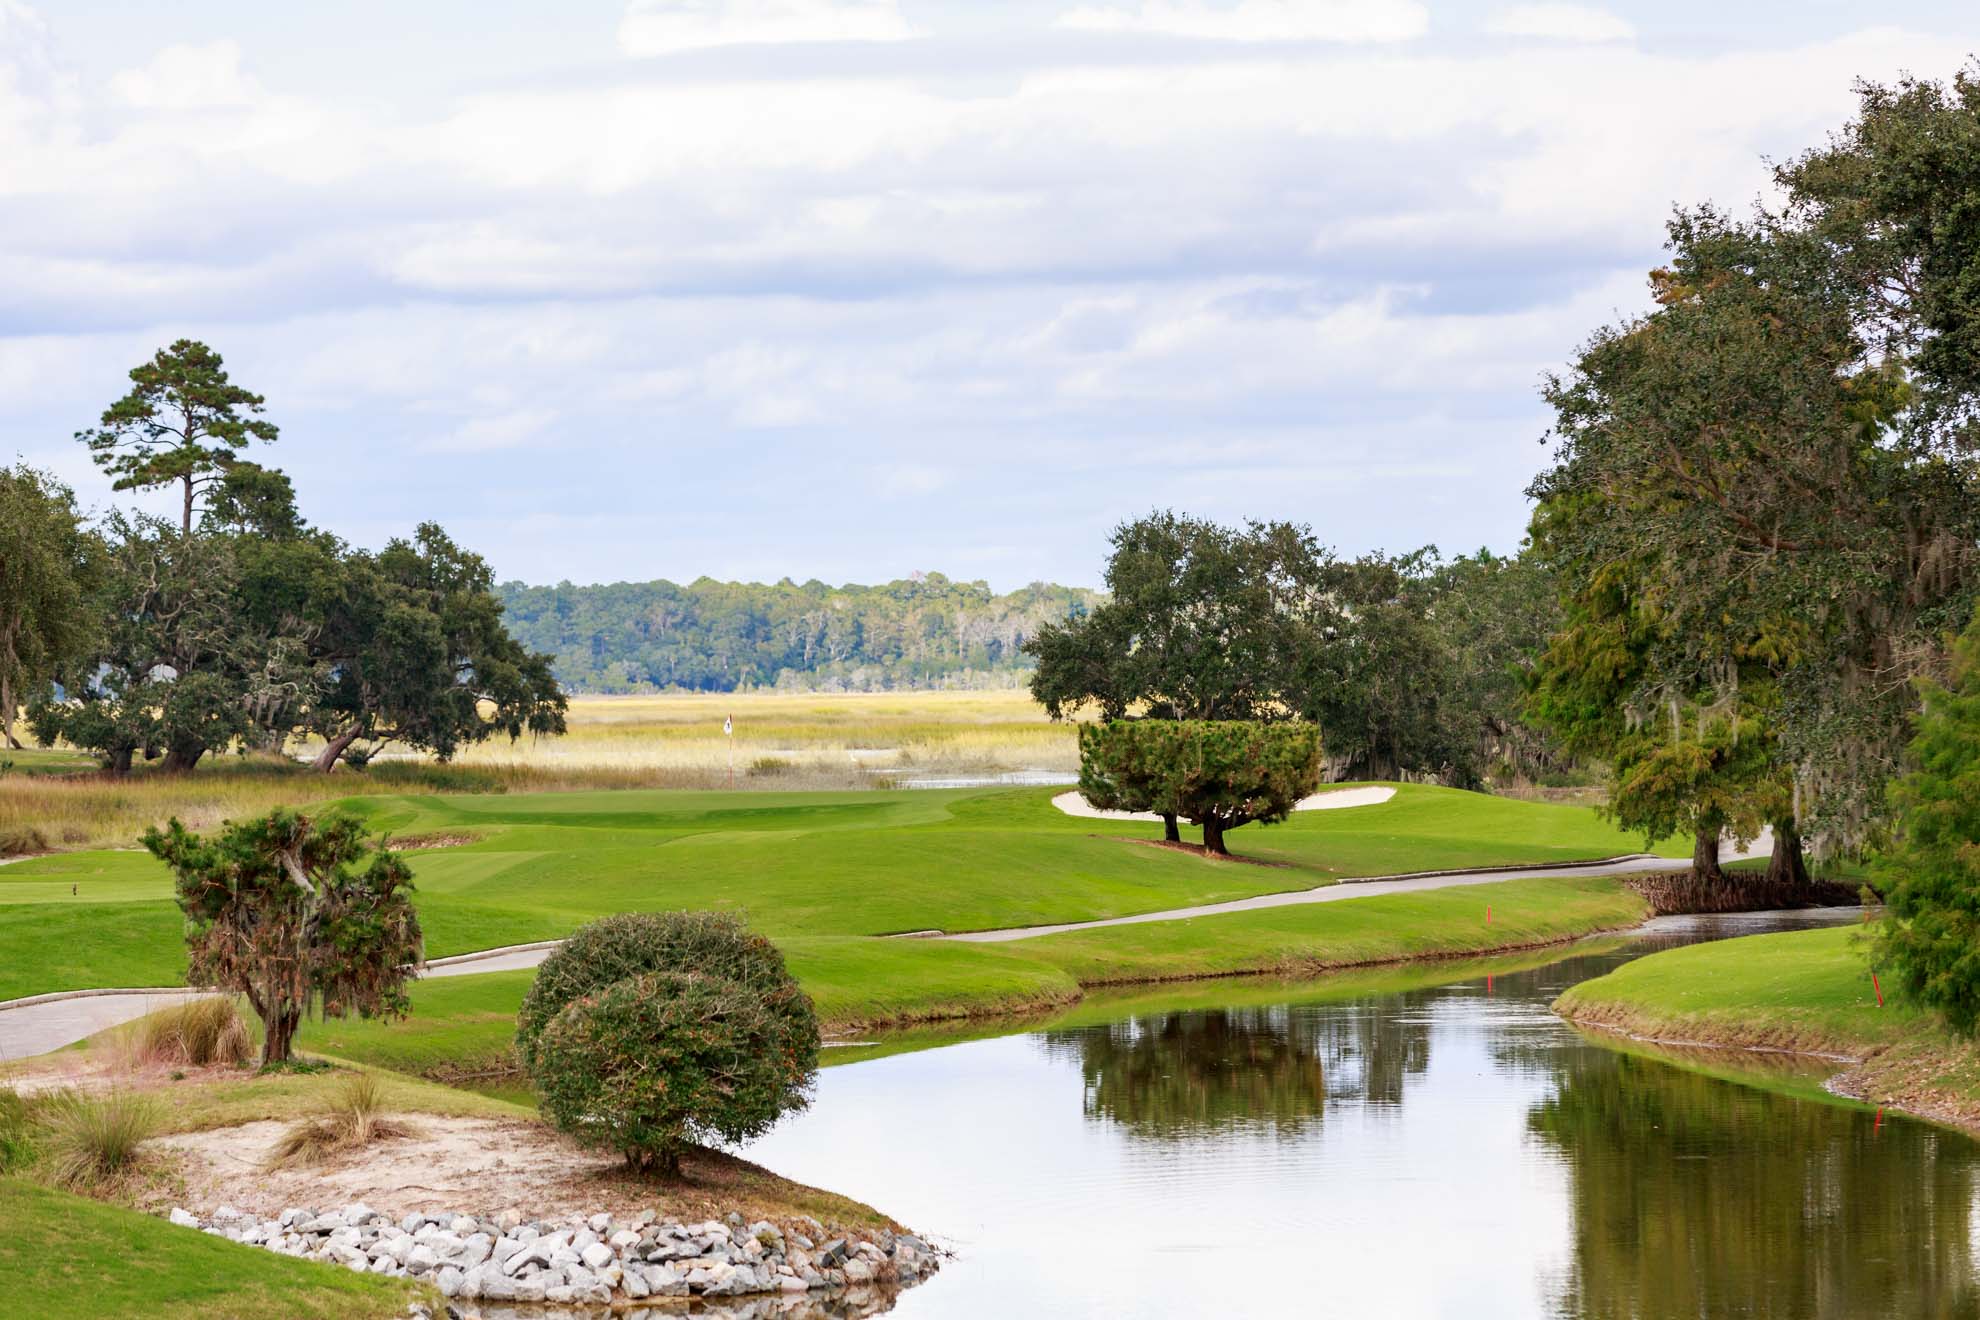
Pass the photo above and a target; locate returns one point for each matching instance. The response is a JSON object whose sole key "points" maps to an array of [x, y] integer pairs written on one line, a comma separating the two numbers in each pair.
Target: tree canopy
{"points": [[182, 423], [49, 562], [297, 913]]}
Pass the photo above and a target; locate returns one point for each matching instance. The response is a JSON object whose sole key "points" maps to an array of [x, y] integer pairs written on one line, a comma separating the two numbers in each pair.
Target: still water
{"points": [[1374, 1147]]}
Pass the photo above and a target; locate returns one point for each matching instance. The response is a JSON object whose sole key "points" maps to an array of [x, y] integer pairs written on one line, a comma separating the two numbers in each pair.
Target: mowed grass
{"points": [[536, 866], [1807, 991], [1801, 990], [462, 1027], [63, 1255]]}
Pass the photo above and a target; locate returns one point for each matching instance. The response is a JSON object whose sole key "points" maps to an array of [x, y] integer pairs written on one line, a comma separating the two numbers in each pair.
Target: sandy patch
{"points": [[469, 1164], [1326, 800]]}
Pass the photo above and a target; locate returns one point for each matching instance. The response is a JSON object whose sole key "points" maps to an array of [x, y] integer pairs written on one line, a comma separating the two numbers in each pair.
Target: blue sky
{"points": [[622, 289]]}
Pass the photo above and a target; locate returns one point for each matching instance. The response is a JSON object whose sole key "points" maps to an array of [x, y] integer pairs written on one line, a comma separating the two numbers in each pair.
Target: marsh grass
{"points": [[809, 742], [88, 1141], [197, 1033], [354, 1119]]}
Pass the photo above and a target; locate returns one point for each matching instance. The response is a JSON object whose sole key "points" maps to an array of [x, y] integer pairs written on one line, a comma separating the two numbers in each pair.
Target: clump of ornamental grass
{"points": [[87, 1141], [355, 1119], [195, 1032], [17, 1137]]}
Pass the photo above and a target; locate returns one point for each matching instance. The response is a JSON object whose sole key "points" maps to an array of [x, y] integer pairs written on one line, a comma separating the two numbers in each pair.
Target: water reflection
{"points": [[1403, 1150], [1691, 1197], [1186, 1074]]}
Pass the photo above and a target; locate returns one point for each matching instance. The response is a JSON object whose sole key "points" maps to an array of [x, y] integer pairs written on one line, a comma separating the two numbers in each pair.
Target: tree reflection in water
{"points": [[1265, 1070], [1692, 1197]]}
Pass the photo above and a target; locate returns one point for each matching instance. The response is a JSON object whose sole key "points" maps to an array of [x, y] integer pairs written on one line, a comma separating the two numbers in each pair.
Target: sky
{"points": [[843, 289]]}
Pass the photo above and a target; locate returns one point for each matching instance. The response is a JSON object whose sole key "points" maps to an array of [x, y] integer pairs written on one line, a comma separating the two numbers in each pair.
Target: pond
{"points": [[1379, 1146]]}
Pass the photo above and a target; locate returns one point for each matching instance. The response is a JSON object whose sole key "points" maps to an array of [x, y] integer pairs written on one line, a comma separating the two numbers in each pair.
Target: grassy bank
{"points": [[67, 1255], [1807, 991], [522, 867]]}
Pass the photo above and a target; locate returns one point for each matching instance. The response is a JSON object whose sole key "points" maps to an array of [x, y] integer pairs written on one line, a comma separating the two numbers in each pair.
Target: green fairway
{"points": [[525, 867], [63, 1255], [462, 1026]]}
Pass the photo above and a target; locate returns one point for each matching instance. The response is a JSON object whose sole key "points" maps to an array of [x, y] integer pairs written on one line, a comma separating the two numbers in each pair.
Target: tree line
{"points": [[237, 624], [925, 631]]}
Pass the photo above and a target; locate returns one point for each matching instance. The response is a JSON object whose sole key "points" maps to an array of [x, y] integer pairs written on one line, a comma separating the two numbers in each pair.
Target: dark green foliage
{"points": [[1424, 664], [712, 944], [417, 652], [1204, 622], [1930, 937], [48, 567], [249, 626], [295, 912], [1218, 774], [651, 1064], [180, 424], [718, 636]]}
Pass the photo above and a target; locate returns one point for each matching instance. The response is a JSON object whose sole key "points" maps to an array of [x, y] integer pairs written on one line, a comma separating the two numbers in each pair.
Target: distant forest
{"points": [[919, 632]]}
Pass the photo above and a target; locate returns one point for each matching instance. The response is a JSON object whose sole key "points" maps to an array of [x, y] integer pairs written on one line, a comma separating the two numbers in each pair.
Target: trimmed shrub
{"points": [[654, 1063], [1219, 774], [714, 944]]}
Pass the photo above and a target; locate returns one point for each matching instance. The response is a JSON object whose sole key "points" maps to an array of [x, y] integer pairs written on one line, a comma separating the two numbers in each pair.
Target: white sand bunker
{"points": [[1326, 800]]}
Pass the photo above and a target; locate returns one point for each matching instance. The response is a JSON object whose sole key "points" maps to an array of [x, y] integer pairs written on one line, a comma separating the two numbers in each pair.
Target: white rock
{"points": [[449, 1281], [182, 1219], [597, 1256]]}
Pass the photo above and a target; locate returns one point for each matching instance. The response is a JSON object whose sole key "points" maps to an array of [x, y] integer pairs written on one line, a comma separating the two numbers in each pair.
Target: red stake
{"points": [[1488, 914], [1488, 985], [1878, 988], [1878, 1122]]}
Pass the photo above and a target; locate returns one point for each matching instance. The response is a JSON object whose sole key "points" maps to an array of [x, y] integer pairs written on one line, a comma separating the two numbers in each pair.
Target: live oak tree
{"points": [[174, 664], [299, 913], [1750, 539], [1218, 774], [183, 423], [48, 565], [417, 654], [1204, 622]]}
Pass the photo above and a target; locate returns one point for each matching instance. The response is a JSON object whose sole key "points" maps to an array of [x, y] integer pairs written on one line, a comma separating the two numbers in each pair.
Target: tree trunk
{"points": [[326, 760], [118, 760], [1213, 836], [280, 1035], [7, 713], [1787, 869], [1705, 855], [182, 757], [185, 521], [1170, 834]]}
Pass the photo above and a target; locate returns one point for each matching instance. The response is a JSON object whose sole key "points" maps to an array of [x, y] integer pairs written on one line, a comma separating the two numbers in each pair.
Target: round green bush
{"points": [[715, 944], [653, 1063]]}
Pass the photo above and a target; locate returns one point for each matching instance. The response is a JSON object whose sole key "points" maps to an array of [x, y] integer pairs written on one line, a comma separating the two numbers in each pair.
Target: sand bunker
{"points": [[1326, 800]]}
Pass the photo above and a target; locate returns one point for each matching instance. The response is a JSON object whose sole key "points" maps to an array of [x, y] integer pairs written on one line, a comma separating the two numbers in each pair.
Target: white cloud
{"points": [[1560, 23], [661, 27], [183, 77], [1259, 20], [481, 435]]}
